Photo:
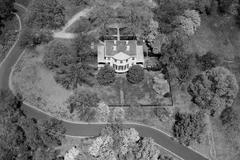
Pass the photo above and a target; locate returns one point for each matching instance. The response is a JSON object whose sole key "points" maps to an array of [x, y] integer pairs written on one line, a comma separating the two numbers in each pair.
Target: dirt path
{"points": [[75, 18], [213, 153], [63, 34]]}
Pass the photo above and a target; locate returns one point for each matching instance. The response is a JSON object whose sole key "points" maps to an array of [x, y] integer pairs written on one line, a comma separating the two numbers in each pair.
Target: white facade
{"points": [[121, 61]]}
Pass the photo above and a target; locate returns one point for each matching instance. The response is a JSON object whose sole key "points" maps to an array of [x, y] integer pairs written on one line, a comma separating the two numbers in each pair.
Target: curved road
{"points": [[75, 129]]}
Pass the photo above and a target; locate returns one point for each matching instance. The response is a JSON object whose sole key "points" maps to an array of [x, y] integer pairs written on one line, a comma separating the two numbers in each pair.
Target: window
{"points": [[133, 58], [109, 63], [115, 60], [127, 60], [121, 61]]}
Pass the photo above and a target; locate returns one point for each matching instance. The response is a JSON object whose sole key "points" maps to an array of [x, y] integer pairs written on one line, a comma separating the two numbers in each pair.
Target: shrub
{"points": [[161, 113], [106, 75], [135, 74]]}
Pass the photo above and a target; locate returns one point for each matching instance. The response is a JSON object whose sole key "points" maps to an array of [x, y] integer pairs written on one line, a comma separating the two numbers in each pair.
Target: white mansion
{"points": [[120, 54]]}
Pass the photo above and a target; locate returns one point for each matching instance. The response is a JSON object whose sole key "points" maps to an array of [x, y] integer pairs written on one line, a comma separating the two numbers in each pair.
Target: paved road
{"points": [[92, 129]]}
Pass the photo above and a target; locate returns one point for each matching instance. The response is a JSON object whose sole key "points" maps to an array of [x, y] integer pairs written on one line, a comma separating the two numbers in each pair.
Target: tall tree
{"points": [[214, 89]]}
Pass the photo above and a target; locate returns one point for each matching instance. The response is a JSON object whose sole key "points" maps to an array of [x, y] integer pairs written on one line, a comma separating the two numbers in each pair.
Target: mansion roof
{"points": [[114, 47]]}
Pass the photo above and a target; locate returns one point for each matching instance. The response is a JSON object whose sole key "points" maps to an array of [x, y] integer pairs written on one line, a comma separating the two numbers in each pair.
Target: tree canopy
{"points": [[116, 142], [188, 128], [214, 89], [25, 138], [83, 104], [106, 75], [135, 74], [45, 14]]}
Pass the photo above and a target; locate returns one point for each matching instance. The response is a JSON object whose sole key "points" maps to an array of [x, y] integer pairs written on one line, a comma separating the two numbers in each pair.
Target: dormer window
{"points": [[128, 48]]}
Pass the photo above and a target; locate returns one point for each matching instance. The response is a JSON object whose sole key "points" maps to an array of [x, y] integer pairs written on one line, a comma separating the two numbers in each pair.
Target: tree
{"points": [[45, 14], [136, 15], [106, 75], [230, 122], [57, 55], [72, 69], [189, 22], [188, 128], [31, 38], [74, 75], [146, 150], [82, 44], [84, 104], [165, 14], [214, 89], [128, 138], [135, 74], [25, 138], [209, 61], [158, 42], [7, 11], [161, 113], [101, 148], [103, 112], [203, 6], [224, 5], [228, 116]]}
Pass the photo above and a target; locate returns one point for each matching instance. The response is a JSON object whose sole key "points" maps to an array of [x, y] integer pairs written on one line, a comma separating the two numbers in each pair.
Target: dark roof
{"points": [[121, 46]]}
